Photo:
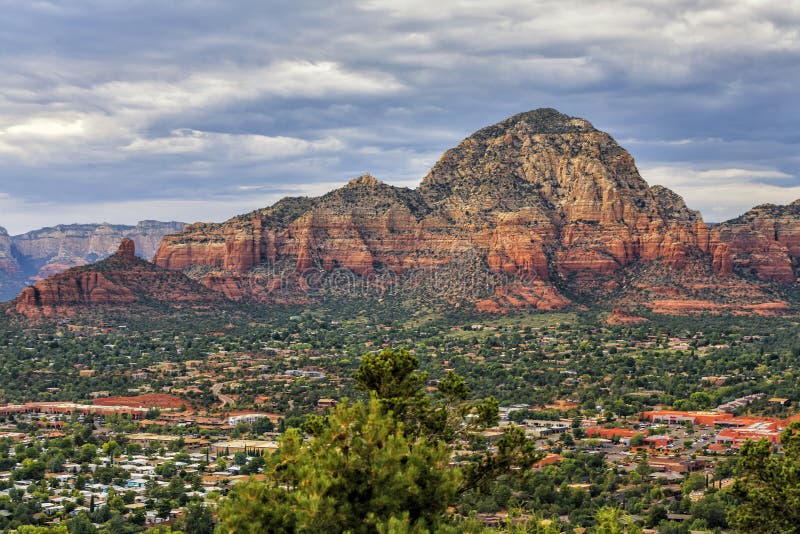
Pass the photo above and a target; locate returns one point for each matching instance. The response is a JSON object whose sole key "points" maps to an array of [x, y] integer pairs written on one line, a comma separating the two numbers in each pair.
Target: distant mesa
{"points": [[33, 256], [120, 281], [539, 211]]}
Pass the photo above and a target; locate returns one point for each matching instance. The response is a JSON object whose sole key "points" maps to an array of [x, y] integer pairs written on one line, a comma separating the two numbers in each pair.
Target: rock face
{"points": [[576, 198], [127, 249], [765, 242], [545, 201], [119, 281], [537, 211], [8, 263], [48, 251]]}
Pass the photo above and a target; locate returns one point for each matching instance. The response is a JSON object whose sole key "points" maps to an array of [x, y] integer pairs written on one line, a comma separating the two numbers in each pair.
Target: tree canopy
{"points": [[768, 486], [360, 474]]}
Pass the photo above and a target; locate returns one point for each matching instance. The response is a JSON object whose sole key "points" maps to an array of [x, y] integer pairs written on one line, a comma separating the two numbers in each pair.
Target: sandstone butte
{"points": [[765, 241], [35, 255], [550, 208], [121, 280]]}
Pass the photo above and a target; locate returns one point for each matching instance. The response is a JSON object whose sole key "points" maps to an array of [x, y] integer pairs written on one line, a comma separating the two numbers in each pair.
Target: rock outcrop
{"points": [[619, 317], [537, 211], [119, 281], [127, 249], [546, 202], [8, 263], [41, 253], [575, 194], [765, 242]]}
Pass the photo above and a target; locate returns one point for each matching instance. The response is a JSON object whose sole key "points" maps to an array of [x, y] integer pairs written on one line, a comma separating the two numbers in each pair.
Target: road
{"points": [[216, 389]]}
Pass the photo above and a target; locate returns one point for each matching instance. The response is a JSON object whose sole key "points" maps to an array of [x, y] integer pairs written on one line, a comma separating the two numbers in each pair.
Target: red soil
{"points": [[149, 400]]}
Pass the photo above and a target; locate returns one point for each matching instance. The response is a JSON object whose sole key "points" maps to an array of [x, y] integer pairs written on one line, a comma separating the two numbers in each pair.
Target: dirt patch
{"points": [[150, 400], [623, 317], [690, 306]]}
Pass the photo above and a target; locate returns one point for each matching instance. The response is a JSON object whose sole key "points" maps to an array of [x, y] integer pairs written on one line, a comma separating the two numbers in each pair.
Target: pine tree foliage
{"points": [[360, 474], [768, 486]]}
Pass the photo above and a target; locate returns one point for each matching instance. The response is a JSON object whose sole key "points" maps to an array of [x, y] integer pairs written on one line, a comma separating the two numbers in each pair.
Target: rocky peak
{"points": [[127, 248], [672, 205], [365, 180], [538, 121], [3, 232], [366, 194], [765, 241], [764, 212], [559, 166]]}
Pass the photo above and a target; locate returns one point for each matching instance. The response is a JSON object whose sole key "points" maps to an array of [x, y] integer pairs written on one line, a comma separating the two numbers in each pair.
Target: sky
{"points": [[198, 110]]}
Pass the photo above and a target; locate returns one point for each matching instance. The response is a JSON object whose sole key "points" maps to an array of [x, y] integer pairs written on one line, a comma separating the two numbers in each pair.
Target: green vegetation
{"points": [[428, 405], [361, 473], [768, 486]]}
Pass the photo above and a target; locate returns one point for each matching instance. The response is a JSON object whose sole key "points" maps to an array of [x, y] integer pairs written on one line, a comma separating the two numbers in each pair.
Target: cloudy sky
{"points": [[121, 110]]}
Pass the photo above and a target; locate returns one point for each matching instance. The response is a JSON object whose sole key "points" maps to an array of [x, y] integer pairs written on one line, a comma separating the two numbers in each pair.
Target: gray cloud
{"points": [[201, 109]]}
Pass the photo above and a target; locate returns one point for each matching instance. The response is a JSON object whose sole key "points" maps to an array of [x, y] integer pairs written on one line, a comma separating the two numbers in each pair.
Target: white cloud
{"points": [[680, 175], [109, 120], [45, 127], [660, 41], [297, 79], [231, 146], [670, 142]]}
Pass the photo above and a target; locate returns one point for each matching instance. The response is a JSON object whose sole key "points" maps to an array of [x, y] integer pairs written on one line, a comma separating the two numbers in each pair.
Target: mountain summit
{"points": [[541, 196], [536, 211]]}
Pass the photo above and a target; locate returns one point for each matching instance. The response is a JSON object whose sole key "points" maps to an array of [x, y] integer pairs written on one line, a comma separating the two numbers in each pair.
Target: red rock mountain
{"points": [[765, 241], [539, 210], [544, 199], [35, 255], [119, 281]]}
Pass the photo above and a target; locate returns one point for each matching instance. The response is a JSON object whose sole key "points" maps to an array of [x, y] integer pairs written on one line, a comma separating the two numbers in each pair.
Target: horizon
{"points": [[198, 112]]}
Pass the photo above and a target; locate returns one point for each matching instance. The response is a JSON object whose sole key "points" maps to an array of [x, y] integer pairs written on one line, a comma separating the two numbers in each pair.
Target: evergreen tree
{"points": [[198, 519], [768, 486], [360, 474]]}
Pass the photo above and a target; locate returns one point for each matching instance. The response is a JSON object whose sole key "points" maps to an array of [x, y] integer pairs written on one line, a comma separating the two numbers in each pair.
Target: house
{"points": [[326, 404], [249, 418]]}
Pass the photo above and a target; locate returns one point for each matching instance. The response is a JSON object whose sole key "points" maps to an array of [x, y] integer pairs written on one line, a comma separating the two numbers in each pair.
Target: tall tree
{"points": [[359, 474], [378, 466], [768, 486], [198, 519], [393, 377]]}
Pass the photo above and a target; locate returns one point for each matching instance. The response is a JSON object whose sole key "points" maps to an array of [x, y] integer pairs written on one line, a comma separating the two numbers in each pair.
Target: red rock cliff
{"points": [[118, 281], [765, 241], [541, 196]]}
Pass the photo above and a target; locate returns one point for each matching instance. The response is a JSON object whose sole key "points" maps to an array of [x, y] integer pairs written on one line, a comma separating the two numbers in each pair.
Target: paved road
{"points": [[216, 389]]}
